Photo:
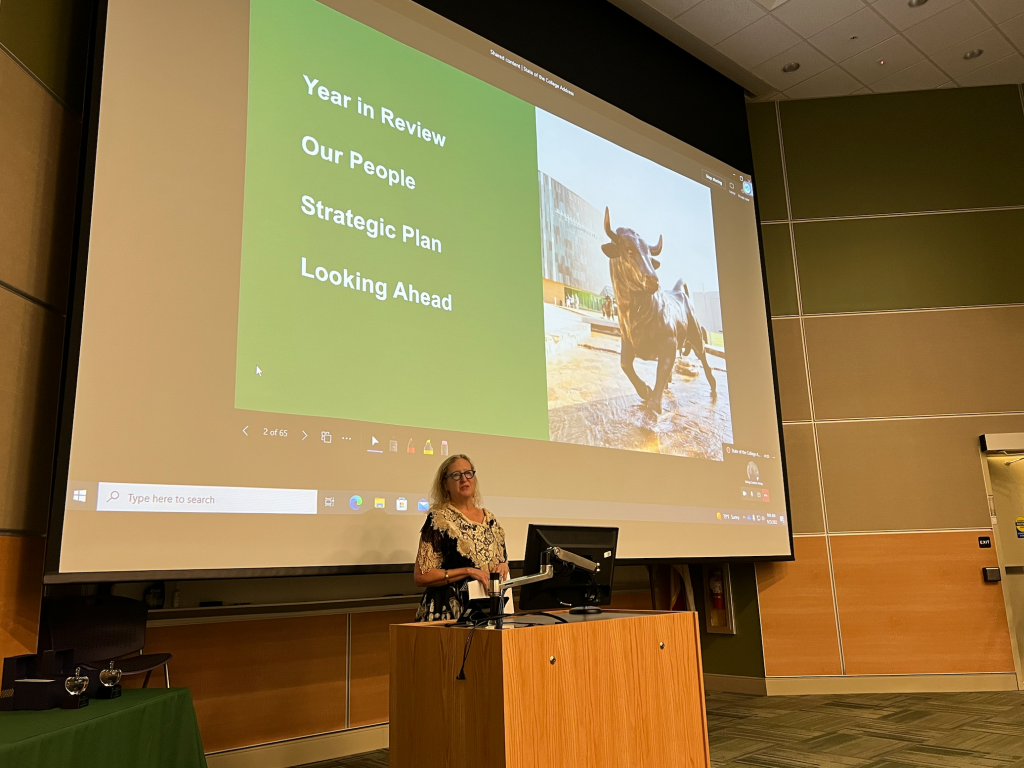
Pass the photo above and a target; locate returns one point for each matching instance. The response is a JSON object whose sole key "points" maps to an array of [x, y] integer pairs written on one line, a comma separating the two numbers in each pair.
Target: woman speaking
{"points": [[459, 541]]}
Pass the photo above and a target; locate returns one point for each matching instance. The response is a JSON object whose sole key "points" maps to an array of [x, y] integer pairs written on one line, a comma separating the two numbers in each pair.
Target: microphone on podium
{"points": [[497, 599]]}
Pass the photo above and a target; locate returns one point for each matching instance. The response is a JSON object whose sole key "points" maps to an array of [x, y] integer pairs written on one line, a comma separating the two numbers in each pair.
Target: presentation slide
{"points": [[333, 243]]}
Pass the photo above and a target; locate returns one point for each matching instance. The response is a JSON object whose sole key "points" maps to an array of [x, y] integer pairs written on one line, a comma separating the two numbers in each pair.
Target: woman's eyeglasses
{"points": [[457, 476]]}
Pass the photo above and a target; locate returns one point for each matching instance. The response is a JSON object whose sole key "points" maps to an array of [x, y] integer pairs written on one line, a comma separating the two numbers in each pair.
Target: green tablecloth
{"points": [[149, 728]]}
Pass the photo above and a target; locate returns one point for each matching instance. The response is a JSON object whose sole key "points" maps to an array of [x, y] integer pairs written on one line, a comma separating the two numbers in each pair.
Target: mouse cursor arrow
{"points": [[258, 371]]}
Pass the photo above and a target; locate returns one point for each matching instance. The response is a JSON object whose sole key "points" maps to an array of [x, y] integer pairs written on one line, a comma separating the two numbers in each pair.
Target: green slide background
{"points": [[332, 351]]}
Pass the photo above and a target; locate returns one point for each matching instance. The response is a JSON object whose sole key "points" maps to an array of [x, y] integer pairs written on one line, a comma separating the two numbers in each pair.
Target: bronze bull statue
{"points": [[655, 324]]}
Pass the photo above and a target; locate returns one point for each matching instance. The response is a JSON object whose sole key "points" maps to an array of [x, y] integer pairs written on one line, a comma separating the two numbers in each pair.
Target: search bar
{"points": [[145, 497]]}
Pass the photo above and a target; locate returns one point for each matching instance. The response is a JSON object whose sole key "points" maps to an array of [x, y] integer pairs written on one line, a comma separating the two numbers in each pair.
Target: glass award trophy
{"points": [[76, 686], [110, 683]]}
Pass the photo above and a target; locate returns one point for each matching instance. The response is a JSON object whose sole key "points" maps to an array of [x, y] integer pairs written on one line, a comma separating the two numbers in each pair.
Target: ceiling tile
{"points": [[811, 63], [834, 81], [852, 35], [862, 92], [714, 20], [922, 76], [950, 84], [1005, 71], [810, 16], [1014, 29], [901, 15], [896, 52], [1001, 10], [993, 45], [672, 8], [763, 39], [948, 28], [770, 4]]}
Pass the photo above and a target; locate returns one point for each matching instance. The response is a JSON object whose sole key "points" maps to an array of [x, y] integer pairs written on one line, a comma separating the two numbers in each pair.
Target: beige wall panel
{"points": [[255, 682], [915, 603], [39, 167], [906, 474], [368, 698], [21, 589], [917, 363], [30, 351], [789, 360], [798, 618], [802, 474]]}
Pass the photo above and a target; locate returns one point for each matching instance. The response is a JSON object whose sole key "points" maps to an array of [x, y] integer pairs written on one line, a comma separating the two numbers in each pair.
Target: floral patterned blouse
{"points": [[450, 540]]}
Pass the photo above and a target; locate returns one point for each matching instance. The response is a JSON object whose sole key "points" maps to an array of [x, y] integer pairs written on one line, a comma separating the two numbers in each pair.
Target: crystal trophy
{"points": [[76, 686], [110, 683]]}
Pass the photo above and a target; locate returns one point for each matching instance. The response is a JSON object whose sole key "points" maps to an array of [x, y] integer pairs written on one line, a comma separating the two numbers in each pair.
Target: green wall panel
{"points": [[742, 653], [768, 181], [891, 153], [50, 37], [910, 262], [778, 261]]}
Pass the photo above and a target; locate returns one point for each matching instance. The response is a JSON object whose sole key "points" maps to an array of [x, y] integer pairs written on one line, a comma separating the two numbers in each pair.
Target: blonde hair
{"points": [[439, 496]]}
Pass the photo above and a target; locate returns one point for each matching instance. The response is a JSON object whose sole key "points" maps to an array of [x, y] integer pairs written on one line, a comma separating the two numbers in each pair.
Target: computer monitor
{"points": [[570, 586]]}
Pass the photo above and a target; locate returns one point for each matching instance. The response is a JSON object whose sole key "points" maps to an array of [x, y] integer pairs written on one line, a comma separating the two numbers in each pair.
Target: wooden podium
{"points": [[622, 688]]}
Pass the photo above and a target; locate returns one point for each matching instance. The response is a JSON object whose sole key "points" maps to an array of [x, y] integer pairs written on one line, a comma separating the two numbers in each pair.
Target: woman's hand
{"points": [[482, 576], [502, 568]]}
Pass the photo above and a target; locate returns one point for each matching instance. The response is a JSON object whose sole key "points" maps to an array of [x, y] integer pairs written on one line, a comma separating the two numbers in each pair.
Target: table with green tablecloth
{"points": [[148, 728]]}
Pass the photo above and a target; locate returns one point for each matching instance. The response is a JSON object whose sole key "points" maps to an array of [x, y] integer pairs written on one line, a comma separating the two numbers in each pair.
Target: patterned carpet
{"points": [[921, 730]]}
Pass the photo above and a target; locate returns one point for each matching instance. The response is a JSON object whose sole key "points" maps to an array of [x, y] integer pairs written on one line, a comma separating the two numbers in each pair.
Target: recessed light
{"points": [[882, 62], [793, 66], [916, 3], [973, 54]]}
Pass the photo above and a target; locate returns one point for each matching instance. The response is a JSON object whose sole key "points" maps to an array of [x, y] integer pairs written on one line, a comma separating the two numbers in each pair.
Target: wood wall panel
{"points": [[21, 590], [802, 475], [255, 682], [906, 474], [916, 603], [792, 372], [632, 601], [798, 620], [39, 168], [370, 664], [953, 361], [30, 352]]}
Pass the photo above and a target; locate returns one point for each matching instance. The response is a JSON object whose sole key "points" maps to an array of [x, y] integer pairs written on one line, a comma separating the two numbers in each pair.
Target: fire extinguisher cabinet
{"points": [[718, 610]]}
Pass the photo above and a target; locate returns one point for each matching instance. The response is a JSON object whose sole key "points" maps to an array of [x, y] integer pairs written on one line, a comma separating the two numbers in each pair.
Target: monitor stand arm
{"points": [[547, 571]]}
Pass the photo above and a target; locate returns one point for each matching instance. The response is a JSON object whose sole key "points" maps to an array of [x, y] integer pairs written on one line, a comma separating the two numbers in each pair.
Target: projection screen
{"points": [[332, 243]]}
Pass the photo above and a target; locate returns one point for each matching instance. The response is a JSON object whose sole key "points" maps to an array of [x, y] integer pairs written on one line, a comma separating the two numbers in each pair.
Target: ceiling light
{"points": [[793, 66], [916, 3], [882, 62], [973, 54]]}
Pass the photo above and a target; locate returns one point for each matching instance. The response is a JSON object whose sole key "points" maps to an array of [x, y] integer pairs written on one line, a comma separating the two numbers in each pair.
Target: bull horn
{"points": [[608, 224], [656, 250]]}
